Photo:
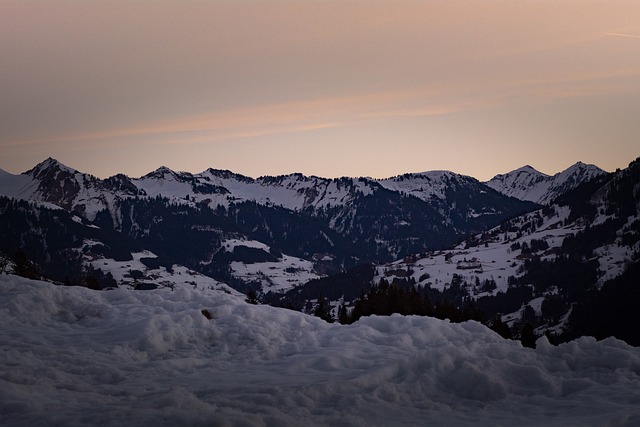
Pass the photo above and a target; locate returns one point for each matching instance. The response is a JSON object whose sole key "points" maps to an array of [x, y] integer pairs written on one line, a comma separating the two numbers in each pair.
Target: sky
{"points": [[329, 88]]}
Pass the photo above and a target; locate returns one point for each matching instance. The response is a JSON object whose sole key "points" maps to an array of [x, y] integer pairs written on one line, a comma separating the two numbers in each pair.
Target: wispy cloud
{"points": [[635, 36], [283, 118]]}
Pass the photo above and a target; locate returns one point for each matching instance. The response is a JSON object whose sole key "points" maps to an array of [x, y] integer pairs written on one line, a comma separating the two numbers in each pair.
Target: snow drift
{"points": [[72, 356]]}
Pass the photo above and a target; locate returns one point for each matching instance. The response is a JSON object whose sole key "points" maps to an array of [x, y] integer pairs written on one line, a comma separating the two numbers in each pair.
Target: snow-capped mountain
{"points": [[526, 183], [559, 268], [448, 192], [55, 183], [384, 218], [428, 186], [216, 187]]}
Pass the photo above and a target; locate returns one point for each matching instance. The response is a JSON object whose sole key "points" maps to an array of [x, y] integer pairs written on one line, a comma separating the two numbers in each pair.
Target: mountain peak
{"points": [[526, 170], [161, 172], [47, 165], [163, 169], [226, 174], [581, 169], [529, 169], [582, 166], [526, 183]]}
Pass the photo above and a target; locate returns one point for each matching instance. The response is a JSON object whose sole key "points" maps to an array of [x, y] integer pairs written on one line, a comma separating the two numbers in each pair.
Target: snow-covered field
{"points": [[279, 276], [72, 356], [179, 276], [493, 260]]}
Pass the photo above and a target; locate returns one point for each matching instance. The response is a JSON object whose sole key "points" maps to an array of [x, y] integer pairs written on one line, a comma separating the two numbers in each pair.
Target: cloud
{"points": [[623, 35], [273, 119]]}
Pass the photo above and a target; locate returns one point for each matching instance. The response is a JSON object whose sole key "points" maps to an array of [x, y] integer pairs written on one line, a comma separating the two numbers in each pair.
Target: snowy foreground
{"points": [[72, 356]]}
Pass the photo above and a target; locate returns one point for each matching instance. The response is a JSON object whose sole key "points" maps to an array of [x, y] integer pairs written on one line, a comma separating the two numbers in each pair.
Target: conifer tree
{"points": [[343, 315], [252, 297]]}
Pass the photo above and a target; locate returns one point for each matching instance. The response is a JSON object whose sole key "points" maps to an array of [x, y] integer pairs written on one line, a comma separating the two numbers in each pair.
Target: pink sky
{"points": [[331, 88]]}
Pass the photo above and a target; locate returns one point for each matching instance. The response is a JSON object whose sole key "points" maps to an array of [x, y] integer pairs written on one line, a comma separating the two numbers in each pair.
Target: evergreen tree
{"points": [[343, 315], [497, 325], [527, 336], [252, 297], [323, 310]]}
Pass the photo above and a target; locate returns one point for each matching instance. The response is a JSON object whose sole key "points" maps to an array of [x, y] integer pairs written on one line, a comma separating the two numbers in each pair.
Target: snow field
{"points": [[180, 276], [72, 356], [278, 276], [496, 261]]}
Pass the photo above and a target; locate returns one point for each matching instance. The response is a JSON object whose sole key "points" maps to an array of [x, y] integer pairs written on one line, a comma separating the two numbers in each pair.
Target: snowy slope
{"points": [[176, 277], [279, 275], [295, 191], [72, 356], [492, 256], [486, 264], [426, 185], [12, 185], [527, 183]]}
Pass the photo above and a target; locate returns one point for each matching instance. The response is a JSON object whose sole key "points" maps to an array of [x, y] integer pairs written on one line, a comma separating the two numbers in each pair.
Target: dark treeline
{"points": [[385, 299]]}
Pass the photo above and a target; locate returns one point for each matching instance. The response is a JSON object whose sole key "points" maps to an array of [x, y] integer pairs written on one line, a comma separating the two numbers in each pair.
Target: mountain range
{"points": [[384, 219], [521, 246], [53, 182]]}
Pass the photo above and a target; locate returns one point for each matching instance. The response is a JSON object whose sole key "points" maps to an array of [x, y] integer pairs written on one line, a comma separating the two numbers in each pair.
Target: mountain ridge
{"points": [[293, 191], [527, 183], [424, 185], [335, 223], [386, 218]]}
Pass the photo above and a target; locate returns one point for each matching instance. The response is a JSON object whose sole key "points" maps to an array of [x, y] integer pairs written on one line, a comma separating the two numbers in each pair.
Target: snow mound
{"points": [[72, 356]]}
